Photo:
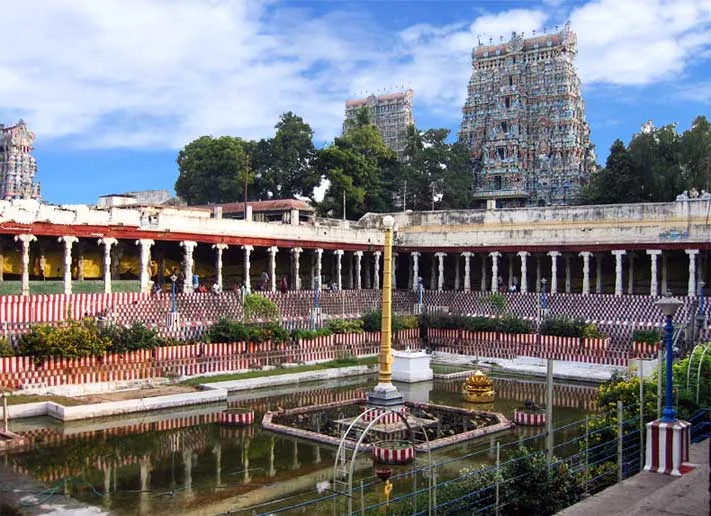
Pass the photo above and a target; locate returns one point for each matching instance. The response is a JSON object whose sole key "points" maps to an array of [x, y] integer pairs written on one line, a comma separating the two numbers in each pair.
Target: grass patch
{"points": [[19, 399], [343, 362], [10, 287]]}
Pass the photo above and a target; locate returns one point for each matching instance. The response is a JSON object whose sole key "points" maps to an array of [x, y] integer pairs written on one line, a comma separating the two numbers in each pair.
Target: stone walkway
{"points": [[650, 494]]}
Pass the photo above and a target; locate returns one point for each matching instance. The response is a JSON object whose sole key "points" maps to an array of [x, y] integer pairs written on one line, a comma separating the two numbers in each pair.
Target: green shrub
{"points": [[346, 326], [646, 336], [507, 324], [228, 330], [372, 320], [498, 302], [311, 334], [133, 338], [590, 331], [563, 327], [6, 349], [259, 307], [72, 339]]}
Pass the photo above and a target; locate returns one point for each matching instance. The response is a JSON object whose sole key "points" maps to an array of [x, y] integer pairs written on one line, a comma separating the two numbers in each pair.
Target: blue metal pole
{"points": [[669, 412], [172, 297], [544, 300]]}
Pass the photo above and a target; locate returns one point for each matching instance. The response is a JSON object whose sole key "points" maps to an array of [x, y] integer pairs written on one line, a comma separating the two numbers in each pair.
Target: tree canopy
{"points": [[656, 166], [212, 170]]}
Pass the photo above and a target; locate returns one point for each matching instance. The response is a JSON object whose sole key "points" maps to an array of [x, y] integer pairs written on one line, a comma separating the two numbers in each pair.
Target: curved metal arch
{"points": [[367, 429], [688, 368], [698, 372]]}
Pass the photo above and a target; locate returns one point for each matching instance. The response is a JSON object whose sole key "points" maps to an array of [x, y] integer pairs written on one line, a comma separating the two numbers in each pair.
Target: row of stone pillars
{"points": [[653, 254]]}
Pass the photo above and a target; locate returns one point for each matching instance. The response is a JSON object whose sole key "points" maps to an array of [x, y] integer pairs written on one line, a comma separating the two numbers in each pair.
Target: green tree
{"points": [[696, 154], [616, 181], [357, 164], [212, 170], [285, 164]]}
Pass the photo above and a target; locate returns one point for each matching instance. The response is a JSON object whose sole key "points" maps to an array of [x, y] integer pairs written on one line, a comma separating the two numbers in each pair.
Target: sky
{"points": [[114, 88]]}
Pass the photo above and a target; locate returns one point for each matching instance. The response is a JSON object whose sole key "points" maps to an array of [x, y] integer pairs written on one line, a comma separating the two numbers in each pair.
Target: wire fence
{"points": [[534, 474]]}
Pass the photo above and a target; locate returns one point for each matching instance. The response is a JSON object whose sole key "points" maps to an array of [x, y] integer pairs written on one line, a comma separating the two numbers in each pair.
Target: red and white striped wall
{"points": [[58, 307], [237, 417], [667, 446], [383, 455], [390, 417], [524, 418]]}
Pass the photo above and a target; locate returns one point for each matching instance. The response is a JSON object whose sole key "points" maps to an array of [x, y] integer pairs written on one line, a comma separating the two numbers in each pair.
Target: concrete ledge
{"points": [[290, 379], [38, 408], [115, 408], [531, 366]]}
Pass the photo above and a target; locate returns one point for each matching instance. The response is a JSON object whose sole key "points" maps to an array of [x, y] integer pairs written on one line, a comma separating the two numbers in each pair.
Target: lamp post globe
{"points": [[668, 306]]}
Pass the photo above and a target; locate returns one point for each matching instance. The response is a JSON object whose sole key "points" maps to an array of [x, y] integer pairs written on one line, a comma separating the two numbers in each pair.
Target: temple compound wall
{"points": [[637, 248]]}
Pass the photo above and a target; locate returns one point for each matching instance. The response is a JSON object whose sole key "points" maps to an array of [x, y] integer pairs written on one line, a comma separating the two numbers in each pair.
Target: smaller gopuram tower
{"points": [[17, 165]]}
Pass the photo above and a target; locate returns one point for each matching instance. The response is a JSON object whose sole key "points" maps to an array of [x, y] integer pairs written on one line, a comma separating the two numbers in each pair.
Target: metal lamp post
{"points": [[173, 279], [668, 438], [701, 315], [668, 306], [544, 298]]}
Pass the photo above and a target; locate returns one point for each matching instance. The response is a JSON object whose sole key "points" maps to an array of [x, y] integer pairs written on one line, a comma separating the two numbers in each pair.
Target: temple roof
{"points": [[380, 98], [261, 206]]}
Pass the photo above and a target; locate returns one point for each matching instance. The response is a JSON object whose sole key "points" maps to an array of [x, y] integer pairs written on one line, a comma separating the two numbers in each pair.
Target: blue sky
{"points": [[113, 88]]}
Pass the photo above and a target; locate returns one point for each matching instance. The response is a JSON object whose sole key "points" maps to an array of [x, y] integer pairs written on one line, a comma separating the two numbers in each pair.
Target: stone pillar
{"points": [[68, 243], [394, 267], [296, 267], [510, 282], [26, 239], [524, 270], [618, 271], [538, 273], [653, 285], [483, 273], [358, 274], [368, 273], [351, 283], [273, 250], [107, 243], [456, 272], [630, 274], [247, 266], [217, 450], [665, 286], [495, 270], [189, 247], [219, 249], [415, 269], [440, 270], [319, 255], [376, 270], [554, 271], [467, 272], [339, 276], [145, 263], [691, 290], [586, 271], [598, 273], [188, 472], [568, 282]]}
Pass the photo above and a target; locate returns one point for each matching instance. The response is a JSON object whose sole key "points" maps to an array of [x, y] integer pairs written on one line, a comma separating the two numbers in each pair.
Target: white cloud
{"points": [[151, 73]]}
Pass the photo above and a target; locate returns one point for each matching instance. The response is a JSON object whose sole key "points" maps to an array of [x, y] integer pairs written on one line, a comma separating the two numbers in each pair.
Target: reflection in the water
{"points": [[187, 463]]}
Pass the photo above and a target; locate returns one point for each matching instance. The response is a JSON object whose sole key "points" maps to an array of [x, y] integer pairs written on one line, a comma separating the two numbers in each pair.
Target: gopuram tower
{"points": [[524, 121], [17, 165]]}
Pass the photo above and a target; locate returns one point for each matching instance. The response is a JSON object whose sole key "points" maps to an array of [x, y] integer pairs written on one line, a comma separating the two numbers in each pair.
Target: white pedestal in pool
{"points": [[411, 366]]}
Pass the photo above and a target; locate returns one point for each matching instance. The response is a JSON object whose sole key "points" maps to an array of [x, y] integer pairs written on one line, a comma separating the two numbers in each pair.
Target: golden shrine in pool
{"points": [[478, 388]]}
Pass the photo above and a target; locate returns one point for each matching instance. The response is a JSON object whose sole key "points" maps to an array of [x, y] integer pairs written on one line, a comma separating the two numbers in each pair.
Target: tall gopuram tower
{"points": [[524, 121], [17, 165]]}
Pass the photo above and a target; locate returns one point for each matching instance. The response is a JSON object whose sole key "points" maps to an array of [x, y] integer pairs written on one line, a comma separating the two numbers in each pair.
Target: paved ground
{"points": [[650, 494], [133, 394]]}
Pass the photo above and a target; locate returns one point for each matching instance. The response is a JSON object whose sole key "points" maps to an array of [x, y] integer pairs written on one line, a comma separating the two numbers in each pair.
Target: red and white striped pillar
{"points": [[667, 446]]}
